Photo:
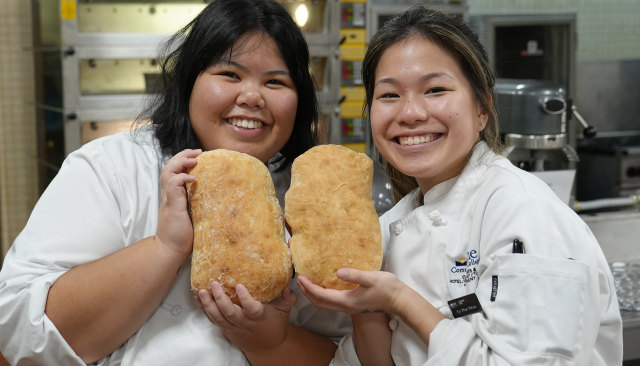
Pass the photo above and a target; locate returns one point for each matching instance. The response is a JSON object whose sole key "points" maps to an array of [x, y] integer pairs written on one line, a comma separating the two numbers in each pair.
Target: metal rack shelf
{"points": [[79, 42]]}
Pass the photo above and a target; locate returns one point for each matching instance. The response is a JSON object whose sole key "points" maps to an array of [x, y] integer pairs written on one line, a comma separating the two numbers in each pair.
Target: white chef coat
{"points": [[106, 197], [553, 305]]}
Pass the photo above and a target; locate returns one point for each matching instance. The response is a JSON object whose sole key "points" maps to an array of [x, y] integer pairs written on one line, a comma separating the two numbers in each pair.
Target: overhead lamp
{"points": [[302, 15]]}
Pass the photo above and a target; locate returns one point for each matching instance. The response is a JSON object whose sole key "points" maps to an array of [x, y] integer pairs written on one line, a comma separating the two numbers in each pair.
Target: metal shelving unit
{"points": [[96, 64]]}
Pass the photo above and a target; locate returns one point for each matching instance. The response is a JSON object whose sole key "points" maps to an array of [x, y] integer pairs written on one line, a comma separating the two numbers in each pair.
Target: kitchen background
{"points": [[71, 71]]}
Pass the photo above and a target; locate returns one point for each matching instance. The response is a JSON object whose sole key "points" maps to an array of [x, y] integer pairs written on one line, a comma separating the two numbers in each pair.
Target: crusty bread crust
{"points": [[237, 225], [332, 216]]}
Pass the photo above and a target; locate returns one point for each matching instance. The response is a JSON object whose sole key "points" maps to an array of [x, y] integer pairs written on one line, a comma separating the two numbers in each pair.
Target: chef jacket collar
{"points": [[481, 155]]}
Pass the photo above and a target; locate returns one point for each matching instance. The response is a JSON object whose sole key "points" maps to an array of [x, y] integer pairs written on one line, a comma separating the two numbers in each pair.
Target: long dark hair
{"points": [[456, 36], [208, 39]]}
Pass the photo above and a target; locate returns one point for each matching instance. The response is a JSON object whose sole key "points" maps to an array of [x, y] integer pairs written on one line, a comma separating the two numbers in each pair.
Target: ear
{"points": [[483, 115]]}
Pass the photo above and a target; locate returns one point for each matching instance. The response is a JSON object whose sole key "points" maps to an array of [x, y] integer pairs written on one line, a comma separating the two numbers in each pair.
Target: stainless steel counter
{"points": [[631, 334], [618, 233]]}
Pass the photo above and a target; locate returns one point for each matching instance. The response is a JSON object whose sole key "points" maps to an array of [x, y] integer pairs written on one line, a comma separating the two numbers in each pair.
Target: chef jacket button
{"points": [[437, 219], [398, 229], [446, 312], [393, 324]]}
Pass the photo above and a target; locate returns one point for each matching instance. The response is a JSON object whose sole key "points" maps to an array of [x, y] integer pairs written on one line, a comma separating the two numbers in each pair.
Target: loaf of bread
{"points": [[332, 216], [238, 231]]}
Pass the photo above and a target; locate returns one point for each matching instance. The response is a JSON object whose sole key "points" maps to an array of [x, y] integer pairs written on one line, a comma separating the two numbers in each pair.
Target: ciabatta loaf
{"points": [[238, 231], [332, 216]]}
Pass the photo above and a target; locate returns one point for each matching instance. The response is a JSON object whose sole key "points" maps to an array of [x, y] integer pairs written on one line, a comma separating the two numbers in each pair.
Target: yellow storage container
{"points": [[353, 52], [351, 109], [359, 147], [352, 93], [354, 36]]}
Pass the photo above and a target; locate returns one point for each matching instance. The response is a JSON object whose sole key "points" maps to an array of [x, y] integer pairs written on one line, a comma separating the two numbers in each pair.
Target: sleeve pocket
{"points": [[539, 305]]}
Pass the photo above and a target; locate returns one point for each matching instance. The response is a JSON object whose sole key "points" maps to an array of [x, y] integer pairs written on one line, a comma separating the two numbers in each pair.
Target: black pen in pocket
{"points": [[518, 246]]}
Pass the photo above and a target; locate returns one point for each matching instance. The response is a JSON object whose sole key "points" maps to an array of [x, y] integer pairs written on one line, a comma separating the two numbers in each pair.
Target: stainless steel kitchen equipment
{"points": [[534, 55], [96, 64], [609, 167], [530, 107], [531, 46], [532, 117]]}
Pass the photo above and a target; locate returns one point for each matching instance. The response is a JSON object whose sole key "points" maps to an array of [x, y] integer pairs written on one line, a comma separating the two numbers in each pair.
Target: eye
{"points": [[275, 82], [435, 90], [389, 95], [229, 74]]}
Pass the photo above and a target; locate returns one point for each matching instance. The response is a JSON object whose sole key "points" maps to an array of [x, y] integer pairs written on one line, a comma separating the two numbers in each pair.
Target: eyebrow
{"points": [[277, 72], [422, 79], [245, 69]]}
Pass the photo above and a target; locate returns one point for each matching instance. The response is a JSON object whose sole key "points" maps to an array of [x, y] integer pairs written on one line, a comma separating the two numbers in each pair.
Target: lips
{"points": [[247, 124], [416, 140]]}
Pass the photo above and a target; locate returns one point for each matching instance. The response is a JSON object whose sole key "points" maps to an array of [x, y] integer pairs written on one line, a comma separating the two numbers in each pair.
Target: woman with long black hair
{"points": [[100, 275]]}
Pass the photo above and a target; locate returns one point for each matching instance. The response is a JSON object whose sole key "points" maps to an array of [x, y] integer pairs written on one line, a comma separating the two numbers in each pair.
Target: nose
{"points": [[250, 96], [413, 110]]}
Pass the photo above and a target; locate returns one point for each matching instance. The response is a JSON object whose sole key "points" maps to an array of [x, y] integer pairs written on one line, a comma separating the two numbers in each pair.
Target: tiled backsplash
{"points": [[607, 29], [18, 165]]}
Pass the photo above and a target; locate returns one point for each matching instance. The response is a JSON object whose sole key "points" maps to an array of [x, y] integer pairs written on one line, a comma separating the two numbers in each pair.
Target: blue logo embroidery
{"points": [[461, 262], [464, 270]]}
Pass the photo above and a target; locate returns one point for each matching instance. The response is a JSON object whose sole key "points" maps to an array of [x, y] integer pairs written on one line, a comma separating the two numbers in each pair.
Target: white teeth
{"points": [[408, 141], [246, 124]]}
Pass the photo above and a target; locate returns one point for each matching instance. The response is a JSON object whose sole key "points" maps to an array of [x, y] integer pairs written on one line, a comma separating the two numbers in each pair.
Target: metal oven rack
{"points": [[96, 62]]}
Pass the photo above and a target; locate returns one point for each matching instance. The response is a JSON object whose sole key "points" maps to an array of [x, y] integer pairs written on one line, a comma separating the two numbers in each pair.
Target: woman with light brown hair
{"points": [[484, 265]]}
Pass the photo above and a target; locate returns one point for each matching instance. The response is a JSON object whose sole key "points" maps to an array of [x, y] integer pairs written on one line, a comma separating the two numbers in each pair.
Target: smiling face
{"points": [[424, 117], [246, 103]]}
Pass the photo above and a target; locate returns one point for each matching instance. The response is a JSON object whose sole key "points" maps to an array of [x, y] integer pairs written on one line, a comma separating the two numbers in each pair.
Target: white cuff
{"points": [[440, 336], [346, 353]]}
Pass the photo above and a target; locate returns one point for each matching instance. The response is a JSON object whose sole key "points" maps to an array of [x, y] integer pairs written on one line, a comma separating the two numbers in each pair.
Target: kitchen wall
{"points": [[608, 55], [18, 165], [607, 29]]}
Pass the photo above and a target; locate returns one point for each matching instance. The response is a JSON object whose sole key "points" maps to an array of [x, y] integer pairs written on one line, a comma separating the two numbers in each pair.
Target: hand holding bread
{"points": [[174, 226]]}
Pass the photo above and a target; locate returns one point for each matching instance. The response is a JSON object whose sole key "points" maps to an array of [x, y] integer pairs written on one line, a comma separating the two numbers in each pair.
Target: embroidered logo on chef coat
{"points": [[464, 270]]}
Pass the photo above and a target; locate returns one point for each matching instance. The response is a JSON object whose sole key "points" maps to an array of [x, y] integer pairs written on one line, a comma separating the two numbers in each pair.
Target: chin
{"points": [[412, 171], [259, 155]]}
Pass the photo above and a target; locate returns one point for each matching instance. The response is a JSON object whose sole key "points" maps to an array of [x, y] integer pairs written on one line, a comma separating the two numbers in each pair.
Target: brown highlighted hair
{"points": [[452, 34]]}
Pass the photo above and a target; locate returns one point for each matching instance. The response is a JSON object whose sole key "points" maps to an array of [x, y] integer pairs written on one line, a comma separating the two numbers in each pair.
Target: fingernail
{"points": [[342, 273], [203, 294], [215, 286], [240, 289], [288, 290]]}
